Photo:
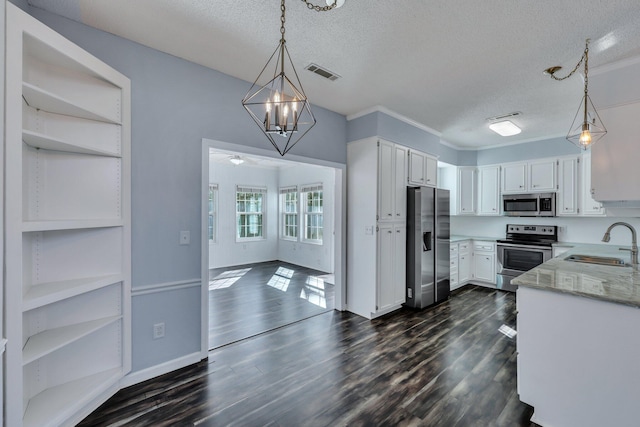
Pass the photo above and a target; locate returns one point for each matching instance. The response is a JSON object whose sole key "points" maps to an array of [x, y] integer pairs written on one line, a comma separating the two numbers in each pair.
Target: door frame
{"points": [[339, 224]]}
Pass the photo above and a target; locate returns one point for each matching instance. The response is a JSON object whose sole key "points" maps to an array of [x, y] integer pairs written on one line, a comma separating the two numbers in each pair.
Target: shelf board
{"points": [[41, 99], [48, 341], [50, 292], [39, 140], [54, 405], [70, 224]]}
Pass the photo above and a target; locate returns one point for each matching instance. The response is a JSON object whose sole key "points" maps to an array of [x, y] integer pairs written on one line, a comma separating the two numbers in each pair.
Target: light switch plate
{"points": [[185, 237]]}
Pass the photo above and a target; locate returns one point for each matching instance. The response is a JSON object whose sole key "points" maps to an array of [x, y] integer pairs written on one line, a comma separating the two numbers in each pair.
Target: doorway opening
{"points": [[272, 241]]}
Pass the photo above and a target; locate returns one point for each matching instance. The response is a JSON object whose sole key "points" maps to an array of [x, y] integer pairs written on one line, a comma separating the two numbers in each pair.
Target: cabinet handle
{"points": [[388, 214], [389, 231], [521, 186], [493, 209], [398, 214], [596, 207], [534, 186], [566, 209], [487, 258], [428, 180], [397, 231]]}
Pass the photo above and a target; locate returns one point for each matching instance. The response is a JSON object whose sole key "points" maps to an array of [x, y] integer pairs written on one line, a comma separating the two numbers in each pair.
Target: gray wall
{"points": [[529, 150], [22, 4], [175, 104], [380, 124]]}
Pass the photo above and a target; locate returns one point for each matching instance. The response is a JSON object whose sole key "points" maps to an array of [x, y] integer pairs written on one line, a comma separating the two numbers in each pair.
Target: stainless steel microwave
{"points": [[534, 204]]}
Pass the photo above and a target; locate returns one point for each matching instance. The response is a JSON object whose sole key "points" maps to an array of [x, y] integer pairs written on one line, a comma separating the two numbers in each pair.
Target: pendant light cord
{"points": [[320, 8], [585, 58]]}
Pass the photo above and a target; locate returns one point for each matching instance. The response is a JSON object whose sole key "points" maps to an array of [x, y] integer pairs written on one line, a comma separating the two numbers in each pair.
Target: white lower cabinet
{"points": [[576, 356], [460, 263], [391, 283], [464, 261], [453, 266], [484, 265]]}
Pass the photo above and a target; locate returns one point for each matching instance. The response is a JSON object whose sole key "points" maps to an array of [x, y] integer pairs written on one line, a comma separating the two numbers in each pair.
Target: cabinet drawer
{"points": [[453, 250], [484, 246]]}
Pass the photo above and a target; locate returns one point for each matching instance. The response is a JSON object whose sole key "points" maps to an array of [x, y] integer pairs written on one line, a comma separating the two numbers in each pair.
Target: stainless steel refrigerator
{"points": [[427, 246]]}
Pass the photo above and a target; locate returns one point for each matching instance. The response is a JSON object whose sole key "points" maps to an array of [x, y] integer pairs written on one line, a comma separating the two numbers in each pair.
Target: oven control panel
{"points": [[540, 230]]}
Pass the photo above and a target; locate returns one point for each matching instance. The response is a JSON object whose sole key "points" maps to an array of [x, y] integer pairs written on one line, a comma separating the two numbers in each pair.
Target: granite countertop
{"points": [[607, 283], [457, 238]]}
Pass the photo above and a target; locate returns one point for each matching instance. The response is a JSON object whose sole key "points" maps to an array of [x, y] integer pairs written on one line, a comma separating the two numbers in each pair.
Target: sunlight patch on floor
{"points": [[227, 278]]}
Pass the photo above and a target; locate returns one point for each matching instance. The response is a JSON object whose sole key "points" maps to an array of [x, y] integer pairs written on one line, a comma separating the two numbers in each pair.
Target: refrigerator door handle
{"points": [[426, 241]]}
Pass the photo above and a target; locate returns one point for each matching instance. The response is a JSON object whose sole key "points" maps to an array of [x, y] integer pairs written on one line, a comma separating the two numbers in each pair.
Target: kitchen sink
{"points": [[595, 259]]}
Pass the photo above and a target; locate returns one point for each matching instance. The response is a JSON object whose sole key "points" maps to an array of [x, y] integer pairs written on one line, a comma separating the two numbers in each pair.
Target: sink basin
{"points": [[595, 259]]}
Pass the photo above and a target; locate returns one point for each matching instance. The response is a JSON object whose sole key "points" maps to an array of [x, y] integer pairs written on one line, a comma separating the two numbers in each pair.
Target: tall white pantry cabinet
{"points": [[67, 227], [376, 245]]}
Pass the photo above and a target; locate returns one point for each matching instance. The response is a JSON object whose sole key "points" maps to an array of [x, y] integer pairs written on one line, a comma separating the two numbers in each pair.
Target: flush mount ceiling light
{"points": [[236, 160], [505, 128], [586, 128], [280, 107]]}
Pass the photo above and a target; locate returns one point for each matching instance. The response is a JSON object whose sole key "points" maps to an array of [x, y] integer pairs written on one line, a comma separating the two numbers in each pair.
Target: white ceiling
{"points": [[446, 64]]}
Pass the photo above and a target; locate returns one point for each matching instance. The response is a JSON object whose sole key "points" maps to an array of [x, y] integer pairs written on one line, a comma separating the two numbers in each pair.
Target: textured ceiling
{"points": [[446, 64]]}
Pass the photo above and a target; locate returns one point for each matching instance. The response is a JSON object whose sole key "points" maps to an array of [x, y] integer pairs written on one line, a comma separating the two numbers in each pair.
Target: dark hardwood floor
{"points": [[251, 299], [443, 366]]}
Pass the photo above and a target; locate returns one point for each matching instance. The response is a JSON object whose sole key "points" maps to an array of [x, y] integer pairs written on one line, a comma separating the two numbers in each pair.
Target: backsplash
{"points": [[577, 230]]}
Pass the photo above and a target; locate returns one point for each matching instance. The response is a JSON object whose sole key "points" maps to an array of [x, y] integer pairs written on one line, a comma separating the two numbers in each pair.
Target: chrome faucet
{"points": [[634, 240]]}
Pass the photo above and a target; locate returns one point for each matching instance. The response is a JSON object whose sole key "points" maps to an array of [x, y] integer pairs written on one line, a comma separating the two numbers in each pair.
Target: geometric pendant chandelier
{"points": [[276, 101], [587, 127]]}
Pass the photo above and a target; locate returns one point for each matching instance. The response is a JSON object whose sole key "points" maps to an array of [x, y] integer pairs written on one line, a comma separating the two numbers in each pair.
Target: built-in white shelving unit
{"points": [[67, 227]]}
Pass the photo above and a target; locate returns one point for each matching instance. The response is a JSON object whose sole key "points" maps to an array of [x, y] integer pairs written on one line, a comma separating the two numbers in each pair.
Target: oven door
{"points": [[515, 259]]}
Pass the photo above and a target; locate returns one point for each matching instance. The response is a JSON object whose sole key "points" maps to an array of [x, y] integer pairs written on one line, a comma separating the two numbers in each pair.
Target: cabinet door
{"points": [[489, 190], [464, 267], [399, 182], [542, 175], [386, 193], [416, 168], [567, 197], [386, 269], [431, 171], [514, 178], [589, 205], [614, 166], [399, 282], [485, 268], [466, 191], [453, 266]]}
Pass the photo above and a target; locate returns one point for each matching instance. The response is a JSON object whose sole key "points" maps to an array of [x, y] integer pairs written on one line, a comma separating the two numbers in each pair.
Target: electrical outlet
{"points": [[158, 331], [185, 238]]}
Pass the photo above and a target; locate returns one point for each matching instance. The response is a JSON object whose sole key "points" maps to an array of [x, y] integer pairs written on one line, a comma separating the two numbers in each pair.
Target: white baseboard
{"points": [[163, 368]]}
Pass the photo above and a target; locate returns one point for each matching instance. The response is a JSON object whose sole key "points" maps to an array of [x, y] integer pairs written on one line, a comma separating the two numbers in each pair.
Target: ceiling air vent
{"points": [[315, 68]]}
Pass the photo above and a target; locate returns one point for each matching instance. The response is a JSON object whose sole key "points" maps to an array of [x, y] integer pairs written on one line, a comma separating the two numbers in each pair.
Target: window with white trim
{"points": [[250, 212], [312, 210], [213, 212], [289, 213]]}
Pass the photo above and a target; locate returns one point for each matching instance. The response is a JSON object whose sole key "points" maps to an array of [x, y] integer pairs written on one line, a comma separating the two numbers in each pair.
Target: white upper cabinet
{"points": [[542, 175], [423, 169], [533, 176], [614, 160], [392, 172], [466, 191], [567, 196], [489, 190], [589, 205], [514, 178]]}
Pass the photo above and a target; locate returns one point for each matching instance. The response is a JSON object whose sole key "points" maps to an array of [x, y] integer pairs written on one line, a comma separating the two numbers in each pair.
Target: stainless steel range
{"points": [[523, 248]]}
